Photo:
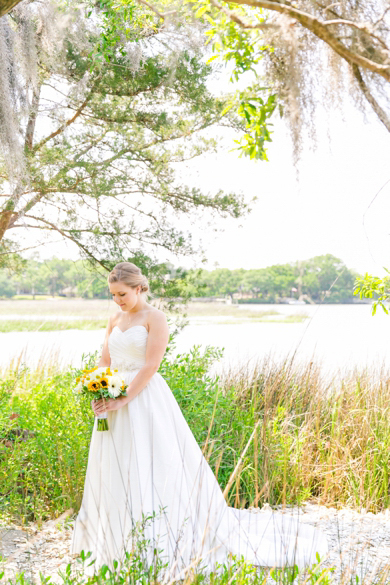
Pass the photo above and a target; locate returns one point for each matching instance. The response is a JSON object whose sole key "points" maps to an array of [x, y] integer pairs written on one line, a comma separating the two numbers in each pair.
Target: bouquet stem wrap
{"points": [[102, 424]]}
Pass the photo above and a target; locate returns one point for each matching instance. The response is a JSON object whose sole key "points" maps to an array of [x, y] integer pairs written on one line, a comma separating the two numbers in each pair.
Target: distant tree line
{"points": [[314, 280], [54, 277]]}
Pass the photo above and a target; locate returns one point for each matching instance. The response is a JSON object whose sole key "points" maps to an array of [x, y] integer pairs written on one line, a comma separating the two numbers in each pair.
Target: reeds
{"points": [[327, 441], [323, 441]]}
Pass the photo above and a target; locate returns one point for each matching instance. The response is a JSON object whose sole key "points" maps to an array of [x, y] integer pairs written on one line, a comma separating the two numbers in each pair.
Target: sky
{"points": [[335, 207], [339, 206]]}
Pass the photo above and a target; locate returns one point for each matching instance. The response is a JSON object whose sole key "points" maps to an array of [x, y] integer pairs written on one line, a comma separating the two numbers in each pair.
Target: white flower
{"points": [[96, 374], [114, 388]]}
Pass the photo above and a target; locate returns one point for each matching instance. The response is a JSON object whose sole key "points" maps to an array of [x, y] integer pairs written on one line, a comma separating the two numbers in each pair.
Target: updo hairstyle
{"points": [[131, 275]]}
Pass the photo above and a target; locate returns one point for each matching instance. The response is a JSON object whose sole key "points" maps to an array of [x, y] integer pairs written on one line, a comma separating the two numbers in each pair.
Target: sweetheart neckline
{"points": [[132, 327]]}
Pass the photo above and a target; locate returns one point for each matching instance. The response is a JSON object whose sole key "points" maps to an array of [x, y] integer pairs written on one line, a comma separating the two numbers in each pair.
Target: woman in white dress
{"points": [[148, 465]]}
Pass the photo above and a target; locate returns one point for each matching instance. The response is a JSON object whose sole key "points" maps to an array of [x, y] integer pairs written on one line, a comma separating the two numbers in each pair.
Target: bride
{"points": [[148, 473]]}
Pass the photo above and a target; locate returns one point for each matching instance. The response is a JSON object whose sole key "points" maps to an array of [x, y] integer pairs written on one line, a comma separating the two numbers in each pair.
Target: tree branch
{"points": [[7, 5], [36, 199], [162, 15], [370, 98], [242, 23], [319, 29], [361, 27], [52, 227], [69, 237], [68, 122], [28, 142]]}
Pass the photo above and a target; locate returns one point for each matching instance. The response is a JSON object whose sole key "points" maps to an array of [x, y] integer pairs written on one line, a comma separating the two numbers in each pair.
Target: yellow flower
{"points": [[93, 386], [90, 371], [104, 382], [77, 380]]}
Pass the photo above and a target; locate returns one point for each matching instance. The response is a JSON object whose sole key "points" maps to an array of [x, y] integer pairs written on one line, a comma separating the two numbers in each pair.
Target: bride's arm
{"points": [[156, 345], [105, 360]]}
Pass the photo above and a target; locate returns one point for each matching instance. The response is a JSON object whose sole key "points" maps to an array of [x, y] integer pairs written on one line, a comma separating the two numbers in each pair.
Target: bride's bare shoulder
{"points": [[112, 321], [156, 317]]}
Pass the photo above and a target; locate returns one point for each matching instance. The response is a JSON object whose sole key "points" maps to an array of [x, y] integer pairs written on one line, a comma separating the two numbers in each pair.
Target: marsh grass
{"points": [[196, 309], [87, 308], [95, 308], [6, 326], [61, 314], [260, 318], [326, 442]]}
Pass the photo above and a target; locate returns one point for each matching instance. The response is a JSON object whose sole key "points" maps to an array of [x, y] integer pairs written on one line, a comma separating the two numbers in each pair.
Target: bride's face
{"points": [[124, 296]]}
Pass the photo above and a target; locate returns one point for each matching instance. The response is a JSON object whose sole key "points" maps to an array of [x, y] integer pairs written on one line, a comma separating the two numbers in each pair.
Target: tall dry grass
{"points": [[327, 441]]}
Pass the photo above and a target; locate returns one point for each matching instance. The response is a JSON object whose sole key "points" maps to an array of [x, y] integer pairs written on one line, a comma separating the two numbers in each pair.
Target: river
{"points": [[339, 337]]}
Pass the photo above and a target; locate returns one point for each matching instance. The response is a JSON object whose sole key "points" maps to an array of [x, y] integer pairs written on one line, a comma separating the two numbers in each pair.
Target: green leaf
{"points": [[211, 60], [227, 109], [202, 10], [209, 20]]}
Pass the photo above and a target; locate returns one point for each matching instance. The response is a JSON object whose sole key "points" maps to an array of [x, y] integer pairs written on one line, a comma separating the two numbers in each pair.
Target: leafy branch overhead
{"points": [[357, 33], [247, 104], [312, 51], [105, 123]]}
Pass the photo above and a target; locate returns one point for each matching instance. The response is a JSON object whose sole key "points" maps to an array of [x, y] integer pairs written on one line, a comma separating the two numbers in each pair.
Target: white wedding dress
{"points": [[149, 462]]}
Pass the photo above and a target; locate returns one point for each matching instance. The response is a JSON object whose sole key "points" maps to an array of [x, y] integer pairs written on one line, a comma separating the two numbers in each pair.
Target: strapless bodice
{"points": [[128, 348]]}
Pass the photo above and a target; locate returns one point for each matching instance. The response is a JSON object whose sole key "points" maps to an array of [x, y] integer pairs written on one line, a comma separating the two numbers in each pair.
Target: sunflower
{"points": [[104, 383], [93, 386]]}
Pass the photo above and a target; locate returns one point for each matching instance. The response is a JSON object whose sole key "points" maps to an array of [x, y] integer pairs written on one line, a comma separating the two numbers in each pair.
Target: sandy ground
{"points": [[359, 544]]}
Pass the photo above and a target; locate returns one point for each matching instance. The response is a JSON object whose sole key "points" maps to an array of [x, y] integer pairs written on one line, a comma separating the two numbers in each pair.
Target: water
{"points": [[339, 337]]}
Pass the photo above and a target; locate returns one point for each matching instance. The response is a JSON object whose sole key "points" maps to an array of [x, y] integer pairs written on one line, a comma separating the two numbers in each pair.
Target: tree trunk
{"points": [[7, 5], [5, 218]]}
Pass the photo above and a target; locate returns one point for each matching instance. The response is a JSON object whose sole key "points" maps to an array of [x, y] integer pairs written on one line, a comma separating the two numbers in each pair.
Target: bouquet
{"points": [[100, 382]]}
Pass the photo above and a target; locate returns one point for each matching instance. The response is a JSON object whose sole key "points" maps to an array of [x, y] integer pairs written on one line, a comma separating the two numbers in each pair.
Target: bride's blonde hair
{"points": [[131, 275]]}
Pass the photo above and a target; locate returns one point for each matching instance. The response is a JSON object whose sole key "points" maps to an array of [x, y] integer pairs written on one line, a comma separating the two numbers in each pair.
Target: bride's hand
{"points": [[105, 405]]}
